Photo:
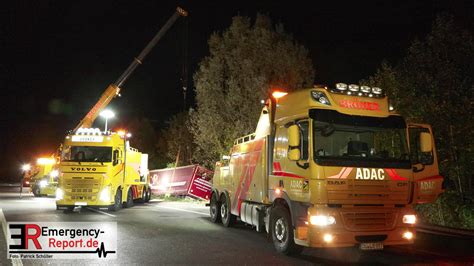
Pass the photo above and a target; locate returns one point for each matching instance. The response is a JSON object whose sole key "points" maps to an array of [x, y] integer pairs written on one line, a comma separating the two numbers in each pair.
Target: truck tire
{"points": [[227, 218], [148, 195], [129, 202], [215, 209], [36, 191], [281, 230], [117, 201], [143, 198]]}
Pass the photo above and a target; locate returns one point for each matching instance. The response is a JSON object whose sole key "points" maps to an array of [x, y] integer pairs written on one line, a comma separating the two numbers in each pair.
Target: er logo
{"points": [[27, 232]]}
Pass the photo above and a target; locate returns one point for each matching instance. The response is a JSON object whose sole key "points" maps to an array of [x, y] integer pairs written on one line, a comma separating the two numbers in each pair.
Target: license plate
{"points": [[80, 203], [371, 246]]}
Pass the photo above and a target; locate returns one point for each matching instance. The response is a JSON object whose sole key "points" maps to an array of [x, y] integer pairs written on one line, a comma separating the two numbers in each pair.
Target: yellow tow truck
{"points": [[328, 167], [99, 168], [44, 177]]}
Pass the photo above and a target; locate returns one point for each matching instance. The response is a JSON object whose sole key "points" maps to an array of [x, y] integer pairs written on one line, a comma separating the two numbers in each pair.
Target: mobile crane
{"points": [[100, 169]]}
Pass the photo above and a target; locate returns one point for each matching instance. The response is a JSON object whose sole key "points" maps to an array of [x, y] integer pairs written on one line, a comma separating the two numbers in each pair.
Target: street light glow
{"points": [[26, 167], [107, 114]]}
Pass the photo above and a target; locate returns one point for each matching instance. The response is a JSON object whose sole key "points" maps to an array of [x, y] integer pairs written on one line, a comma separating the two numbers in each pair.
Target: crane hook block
{"points": [[181, 12]]}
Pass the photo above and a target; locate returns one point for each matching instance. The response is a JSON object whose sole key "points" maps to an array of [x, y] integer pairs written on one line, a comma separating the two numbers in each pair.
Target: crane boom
{"points": [[114, 89]]}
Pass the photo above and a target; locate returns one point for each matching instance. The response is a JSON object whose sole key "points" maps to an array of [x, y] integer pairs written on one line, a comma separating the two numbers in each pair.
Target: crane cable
{"points": [[184, 67]]}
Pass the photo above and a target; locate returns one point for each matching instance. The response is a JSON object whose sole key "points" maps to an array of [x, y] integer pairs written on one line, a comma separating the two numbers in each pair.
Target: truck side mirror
{"points": [[115, 157], [425, 142], [294, 152]]}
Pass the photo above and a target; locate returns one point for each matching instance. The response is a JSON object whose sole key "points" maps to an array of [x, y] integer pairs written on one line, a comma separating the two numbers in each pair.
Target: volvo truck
{"points": [[99, 168]]}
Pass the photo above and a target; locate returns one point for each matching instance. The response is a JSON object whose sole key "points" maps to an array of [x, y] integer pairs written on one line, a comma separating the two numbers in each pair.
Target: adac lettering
{"points": [[427, 185], [296, 184], [83, 169], [370, 174]]}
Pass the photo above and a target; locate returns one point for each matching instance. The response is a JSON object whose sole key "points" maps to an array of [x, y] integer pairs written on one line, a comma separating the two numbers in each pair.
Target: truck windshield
{"points": [[87, 154], [348, 140]]}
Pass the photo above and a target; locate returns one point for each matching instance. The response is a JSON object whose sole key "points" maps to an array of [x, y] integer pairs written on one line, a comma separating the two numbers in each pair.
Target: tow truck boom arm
{"points": [[114, 89]]}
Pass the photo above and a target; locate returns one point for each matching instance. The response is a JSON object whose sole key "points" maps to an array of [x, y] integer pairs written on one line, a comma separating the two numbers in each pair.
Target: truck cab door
{"points": [[427, 183], [117, 161]]}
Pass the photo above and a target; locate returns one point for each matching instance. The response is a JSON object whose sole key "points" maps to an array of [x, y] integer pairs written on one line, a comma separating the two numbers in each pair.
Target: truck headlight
{"points": [[43, 183], [322, 220], [408, 235], [54, 173], [409, 219], [59, 194], [105, 194]]}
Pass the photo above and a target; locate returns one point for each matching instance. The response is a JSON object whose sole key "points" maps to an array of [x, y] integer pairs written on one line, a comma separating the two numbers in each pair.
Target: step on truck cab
{"points": [[328, 167], [100, 169]]}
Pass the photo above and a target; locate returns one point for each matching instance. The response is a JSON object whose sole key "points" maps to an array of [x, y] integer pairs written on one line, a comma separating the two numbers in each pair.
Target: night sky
{"points": [[59, 56]]}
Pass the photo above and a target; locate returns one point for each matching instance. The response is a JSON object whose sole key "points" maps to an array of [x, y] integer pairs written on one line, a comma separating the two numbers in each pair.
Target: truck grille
{"points": [[359, 220], [82, 188], [367, 192], [83, 197]]}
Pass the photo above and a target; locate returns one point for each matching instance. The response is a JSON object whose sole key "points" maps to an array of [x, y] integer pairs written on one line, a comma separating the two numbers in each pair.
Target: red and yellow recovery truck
{"points": [[328, 167]]}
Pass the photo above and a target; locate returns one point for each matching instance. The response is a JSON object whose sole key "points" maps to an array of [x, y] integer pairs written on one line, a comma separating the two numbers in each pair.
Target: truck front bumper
{"points": [[66, 207], [78, 201], [354, 226], [68, 199], [315, 237]]}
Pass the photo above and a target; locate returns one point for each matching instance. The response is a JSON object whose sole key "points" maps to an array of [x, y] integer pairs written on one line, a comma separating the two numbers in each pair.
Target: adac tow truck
{"points": [[44, 178], [100, 169], [328, 167]]}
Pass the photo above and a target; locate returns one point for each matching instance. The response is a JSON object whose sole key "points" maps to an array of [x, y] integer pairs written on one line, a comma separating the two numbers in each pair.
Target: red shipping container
{"points": [[191, 180]]}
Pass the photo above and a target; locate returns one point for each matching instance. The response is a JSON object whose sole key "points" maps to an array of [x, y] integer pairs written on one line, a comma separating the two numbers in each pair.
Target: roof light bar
{"points": [[365, 89], [341, 86], [376, 90], [354, 87], [88, 131], [356, 90]]}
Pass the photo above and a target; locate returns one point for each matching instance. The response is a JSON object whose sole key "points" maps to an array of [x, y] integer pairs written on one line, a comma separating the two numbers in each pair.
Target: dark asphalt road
{"points": [[181, 233]]}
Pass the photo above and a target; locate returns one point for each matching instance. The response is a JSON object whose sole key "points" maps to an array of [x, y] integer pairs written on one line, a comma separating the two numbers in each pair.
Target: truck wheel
{"points": [[148, 195], [215, 209], [281, 229], [117, 201], [36, 191], [129, 202], [227, 218]]}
